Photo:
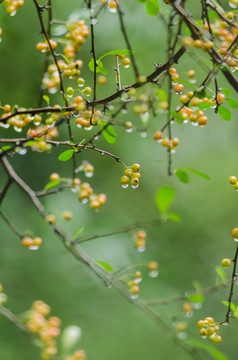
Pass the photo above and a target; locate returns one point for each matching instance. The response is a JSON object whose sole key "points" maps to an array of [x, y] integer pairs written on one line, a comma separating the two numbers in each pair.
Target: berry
{"points": [[134, 290], [158, 135], [102, 80], [152, 266], [216, 339], [125, 180], [126, 62], [37, 241], [226, 263], [27, 242], [232, 180], [67, 215], [87, 91], [54, 177], [135, 168], [235, 233], [50, 219], [178, 88]]}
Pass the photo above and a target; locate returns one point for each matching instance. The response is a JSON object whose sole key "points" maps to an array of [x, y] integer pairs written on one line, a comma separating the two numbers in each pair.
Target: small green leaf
{"points": [[152, 7], [182, 175], [227, 92], [99, 67], [47, 99], [105, 265], [78, 232], [187, 31], [141, 1], [214, 352], [224, 113], [51, 184], [195, 298], [109, 134], [232, 306], [204, 105], [222, 276], [164, 198], [117, 52], [199, 173], [6, 147], [66, 155], [174, 217], [177, 116], [232, 102], [70, 338], [196, 285], [162, 95]]}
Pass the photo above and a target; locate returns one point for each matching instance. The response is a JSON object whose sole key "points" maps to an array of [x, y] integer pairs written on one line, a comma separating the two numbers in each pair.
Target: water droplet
{"points": [[140, 248], [17, 129], [129, 130], [84, 201], [182, 335], [189, 314], [36, 123], [134, 296], [236, 239], [144, 117], [5, 126], [195, 123], [102, 153], [33, 247], [225, 323], [124, 111], [125, 97], [197, 306], [52, 90], [21, 150], [192, 81], [125, 186], [88, 128], [89, 174], [96, 137], [172, 151], [78, 125], [153, 273], [13, 13], [233, 6], [94, 21], [74, 190], [178, 92], [143, 134], [174, 83], [135, 187]]}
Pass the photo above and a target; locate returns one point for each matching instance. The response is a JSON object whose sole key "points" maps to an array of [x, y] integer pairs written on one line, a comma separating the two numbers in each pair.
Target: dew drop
{"points": [[182, 335], [84, 201], [89, 174], [88, 128], [153, 274], [96, 137], [194, 123], [125, 186], [5, 126], [74, 190], [233, 6], [143, 134], [17, 129], [33, 247], [189, 314], [140, 248], [178, 92], [135, 187], [134, 296], [102, 154], [129, 130], [13, 13], [94, 22], [21, 150], [52, 90], [197, 305], [192, 81]]}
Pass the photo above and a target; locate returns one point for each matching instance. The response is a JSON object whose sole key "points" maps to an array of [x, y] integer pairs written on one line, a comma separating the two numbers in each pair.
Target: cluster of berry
{"points": [[12, 6], [140, 240], [133, 285], [32, 243], [209, 328], [111, 4], [48, 329], [234, 181], [131, 173], [171, 144], [86, 119]]}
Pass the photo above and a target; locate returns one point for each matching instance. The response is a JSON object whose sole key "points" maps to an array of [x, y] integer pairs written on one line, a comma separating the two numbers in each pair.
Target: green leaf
{"points": [[177, 116], [141, 1], [152, 7], [227, 92], [196, 285], [117, 52], [174, 217], [212, 14], [78, 232], [232, 306], [70, 338], [99, 67], [224, 113], [187, 31], [214, 352], [222, 276], [195, 298], [105, 265], [204, 105], [162, 95], [182, 175], [66, 155], [6, 147], [109, 134], [51, 184], [164, 198], [199, 173], [232, 102], [47, 99]]}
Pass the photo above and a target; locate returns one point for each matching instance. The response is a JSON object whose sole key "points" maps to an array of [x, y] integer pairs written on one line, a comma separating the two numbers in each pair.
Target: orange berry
{"points": [[158, 135], [27, 242], [178, 88], [232, 180], [235, 233]]}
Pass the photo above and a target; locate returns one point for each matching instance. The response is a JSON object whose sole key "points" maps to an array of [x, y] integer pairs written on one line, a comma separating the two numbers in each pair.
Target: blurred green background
{"points": [[186, 251]]}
